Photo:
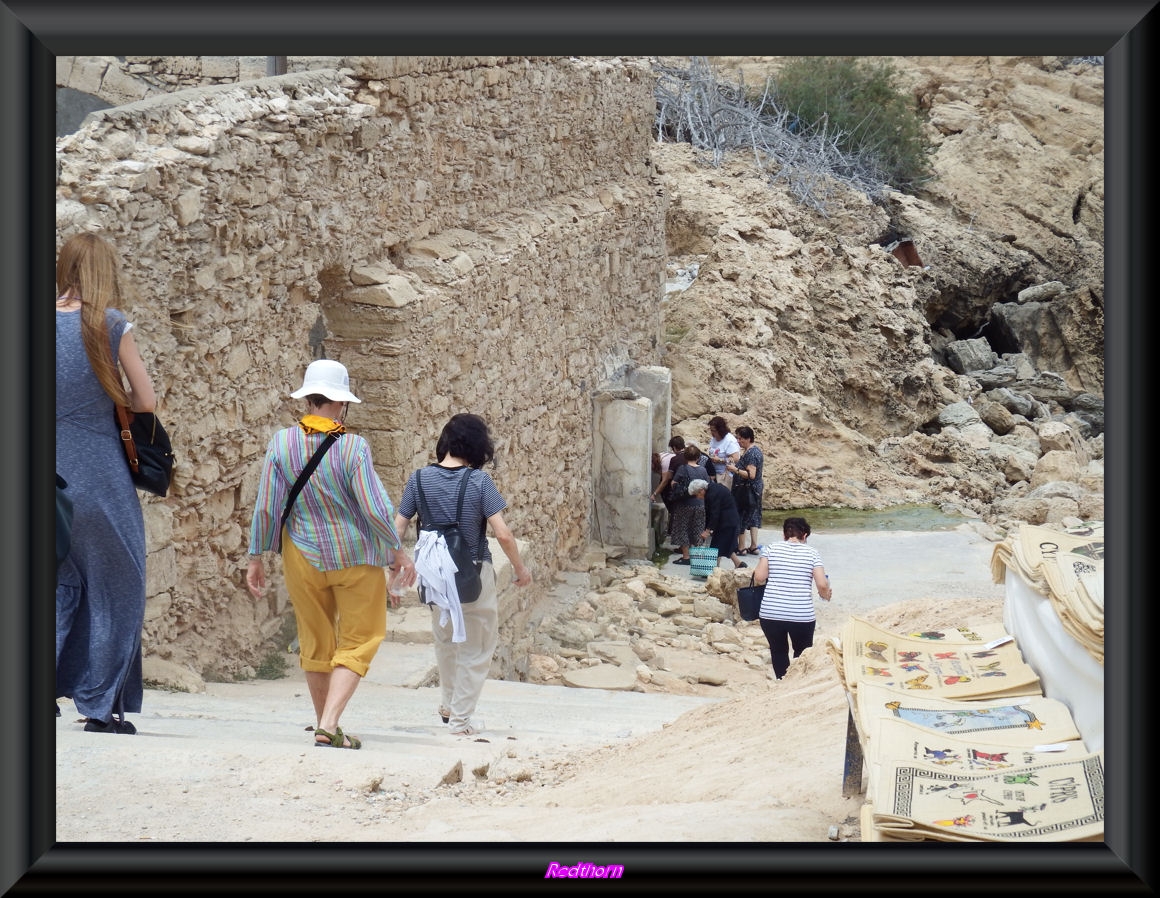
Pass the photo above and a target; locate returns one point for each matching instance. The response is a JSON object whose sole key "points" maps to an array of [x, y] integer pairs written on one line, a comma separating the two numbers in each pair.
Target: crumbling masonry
{"points": [[464, 234]]}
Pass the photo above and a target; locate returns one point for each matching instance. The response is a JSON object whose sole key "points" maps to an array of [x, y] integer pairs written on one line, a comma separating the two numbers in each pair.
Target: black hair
{"points": [[466, 436], [745, 432], [719, 425], [795, 528], [677, 443]]}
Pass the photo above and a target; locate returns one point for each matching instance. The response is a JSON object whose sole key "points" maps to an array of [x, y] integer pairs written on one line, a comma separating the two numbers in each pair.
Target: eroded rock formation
{"points": [[805, 326]]}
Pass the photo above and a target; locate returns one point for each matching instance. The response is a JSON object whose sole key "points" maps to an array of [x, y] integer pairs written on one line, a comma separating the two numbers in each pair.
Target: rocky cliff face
{"points": [[971, 377]]}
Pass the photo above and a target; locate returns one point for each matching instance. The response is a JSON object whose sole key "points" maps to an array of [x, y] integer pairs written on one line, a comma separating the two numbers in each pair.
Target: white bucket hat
{"points": [[327, 378]]}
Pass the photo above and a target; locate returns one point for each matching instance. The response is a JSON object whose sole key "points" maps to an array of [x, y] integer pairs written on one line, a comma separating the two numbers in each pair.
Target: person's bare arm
{"points": [[822, 582], [142, 398], [256, 576], [401, 570], [750, 470], [507, 542]]}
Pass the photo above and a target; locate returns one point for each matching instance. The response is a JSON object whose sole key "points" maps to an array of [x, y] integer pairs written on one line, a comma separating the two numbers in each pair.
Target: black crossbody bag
{"points": [[301, 482]]}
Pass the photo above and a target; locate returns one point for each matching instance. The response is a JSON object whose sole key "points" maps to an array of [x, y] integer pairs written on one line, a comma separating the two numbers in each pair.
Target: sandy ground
{"points": [[761, 764]]}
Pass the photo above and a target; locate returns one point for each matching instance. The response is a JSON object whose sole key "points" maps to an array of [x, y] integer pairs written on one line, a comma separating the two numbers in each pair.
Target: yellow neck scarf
{"points": [[319, 424]]}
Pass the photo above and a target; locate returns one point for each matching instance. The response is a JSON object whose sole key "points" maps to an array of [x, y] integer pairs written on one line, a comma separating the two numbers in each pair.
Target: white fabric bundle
{"points": [[436, 573]]}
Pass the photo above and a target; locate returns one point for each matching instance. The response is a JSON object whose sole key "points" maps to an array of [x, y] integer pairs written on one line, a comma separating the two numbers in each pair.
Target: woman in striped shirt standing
{"points": [[339, 536], [790, 570]]}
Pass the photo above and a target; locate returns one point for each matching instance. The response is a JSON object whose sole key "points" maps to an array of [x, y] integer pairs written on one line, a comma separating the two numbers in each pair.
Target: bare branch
{"points": [[694, 106]]}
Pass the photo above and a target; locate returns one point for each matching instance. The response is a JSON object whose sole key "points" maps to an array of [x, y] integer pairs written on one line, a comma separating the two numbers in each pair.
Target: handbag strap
{"points": [[125, 417], [425, 513], [302, 478]]}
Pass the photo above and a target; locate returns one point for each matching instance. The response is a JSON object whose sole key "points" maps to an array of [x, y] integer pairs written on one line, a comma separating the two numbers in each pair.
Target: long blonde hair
{"points": [[87, 270]]}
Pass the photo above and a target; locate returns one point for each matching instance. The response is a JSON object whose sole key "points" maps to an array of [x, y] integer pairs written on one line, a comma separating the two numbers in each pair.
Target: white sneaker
{"points": [[470, 728]]}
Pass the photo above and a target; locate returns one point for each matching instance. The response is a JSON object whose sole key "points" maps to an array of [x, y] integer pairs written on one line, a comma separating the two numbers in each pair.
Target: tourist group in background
{"points": [[700, 516], [715, 499]]}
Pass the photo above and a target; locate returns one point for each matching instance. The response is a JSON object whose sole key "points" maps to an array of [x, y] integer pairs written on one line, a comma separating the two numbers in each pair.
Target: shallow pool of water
{"points": [[918, 518]]}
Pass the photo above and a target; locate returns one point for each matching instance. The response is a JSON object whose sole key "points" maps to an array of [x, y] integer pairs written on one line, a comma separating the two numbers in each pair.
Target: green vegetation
{"points": [[854, 101], [832, 519], [675, 333], [273, 666], [822, 121]]}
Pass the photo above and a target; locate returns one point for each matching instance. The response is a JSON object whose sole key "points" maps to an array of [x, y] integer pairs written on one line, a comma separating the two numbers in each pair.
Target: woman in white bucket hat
{"points": [[337, 539]]}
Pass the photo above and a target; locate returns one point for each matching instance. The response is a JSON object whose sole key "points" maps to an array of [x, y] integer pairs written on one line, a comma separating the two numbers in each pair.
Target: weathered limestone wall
{"points": [[120, 80], [465, 234]]}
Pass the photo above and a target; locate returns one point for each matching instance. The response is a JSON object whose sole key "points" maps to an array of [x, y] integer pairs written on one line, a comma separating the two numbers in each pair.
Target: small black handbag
{"points": [[749, 600], [148, 450]]}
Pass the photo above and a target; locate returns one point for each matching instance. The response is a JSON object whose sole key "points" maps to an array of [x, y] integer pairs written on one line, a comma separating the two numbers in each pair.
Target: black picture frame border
{"points": [[32, 34]]}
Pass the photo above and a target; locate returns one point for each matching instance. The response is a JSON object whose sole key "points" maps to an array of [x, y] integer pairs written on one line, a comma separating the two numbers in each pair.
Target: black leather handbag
{"points": [[148, 450], [749, 600]]}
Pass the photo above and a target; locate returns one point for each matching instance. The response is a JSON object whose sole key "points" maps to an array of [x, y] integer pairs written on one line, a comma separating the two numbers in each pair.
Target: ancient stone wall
{"points": [[125, 79], [464, 234]]}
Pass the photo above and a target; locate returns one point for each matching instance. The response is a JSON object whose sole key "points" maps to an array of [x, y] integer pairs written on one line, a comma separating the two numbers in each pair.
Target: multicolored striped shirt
{"points": [[342, 517], [789, 591]]}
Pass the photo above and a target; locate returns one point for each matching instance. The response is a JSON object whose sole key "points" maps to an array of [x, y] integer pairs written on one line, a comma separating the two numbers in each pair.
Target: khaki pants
{"points": [[463, 666]]}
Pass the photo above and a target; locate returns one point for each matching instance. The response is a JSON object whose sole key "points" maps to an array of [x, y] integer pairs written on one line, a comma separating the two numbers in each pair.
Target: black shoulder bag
{"points": [[301, 481], [749, 600], [147, 449], [468, 582]]}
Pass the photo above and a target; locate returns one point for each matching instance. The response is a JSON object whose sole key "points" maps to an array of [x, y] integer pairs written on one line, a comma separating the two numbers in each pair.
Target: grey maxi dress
{"points": [[100, 593]]}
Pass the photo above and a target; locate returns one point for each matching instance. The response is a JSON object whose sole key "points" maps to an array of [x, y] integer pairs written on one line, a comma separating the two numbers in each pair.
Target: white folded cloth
{"points": [[436, 574]]}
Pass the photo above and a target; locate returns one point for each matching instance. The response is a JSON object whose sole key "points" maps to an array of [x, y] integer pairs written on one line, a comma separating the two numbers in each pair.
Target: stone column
{"points": [[622, 465]]}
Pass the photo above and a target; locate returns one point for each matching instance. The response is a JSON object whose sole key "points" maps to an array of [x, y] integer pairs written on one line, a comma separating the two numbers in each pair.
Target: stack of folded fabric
{"points": [[943, 770], [955, 664], [1052, 800], [960, 743], [1066, 566]]}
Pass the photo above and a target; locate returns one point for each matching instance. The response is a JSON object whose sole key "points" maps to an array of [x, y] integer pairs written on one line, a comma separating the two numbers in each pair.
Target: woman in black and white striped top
{"points": [[790, 570]]}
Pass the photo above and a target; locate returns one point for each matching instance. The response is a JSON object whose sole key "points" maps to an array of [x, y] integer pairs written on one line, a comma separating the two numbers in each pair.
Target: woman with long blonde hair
{"points": [[100, 594]]}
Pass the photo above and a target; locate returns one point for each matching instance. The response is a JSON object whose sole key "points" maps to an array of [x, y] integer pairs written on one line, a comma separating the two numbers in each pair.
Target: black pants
{"points": [[780, 634]]}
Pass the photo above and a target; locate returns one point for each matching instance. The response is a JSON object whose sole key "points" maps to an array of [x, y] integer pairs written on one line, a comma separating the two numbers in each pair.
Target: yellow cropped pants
{"points": [[341, 615]]}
